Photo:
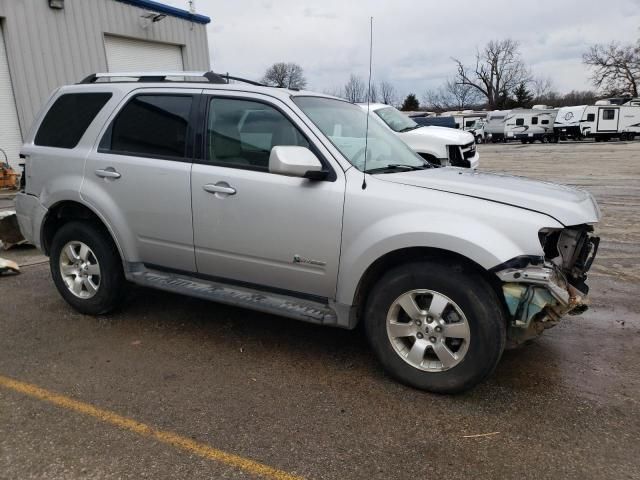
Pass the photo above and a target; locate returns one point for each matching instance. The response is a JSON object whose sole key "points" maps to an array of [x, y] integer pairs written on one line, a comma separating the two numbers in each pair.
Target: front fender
{"points": [[485, 232]]}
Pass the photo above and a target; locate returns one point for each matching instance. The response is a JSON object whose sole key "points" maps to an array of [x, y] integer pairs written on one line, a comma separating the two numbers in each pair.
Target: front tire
{"points": [[435, 327], [86, 268]]}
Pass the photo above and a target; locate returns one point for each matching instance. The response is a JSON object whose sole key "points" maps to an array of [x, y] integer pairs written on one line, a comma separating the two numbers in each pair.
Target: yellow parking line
{"points": [[168, 438]]}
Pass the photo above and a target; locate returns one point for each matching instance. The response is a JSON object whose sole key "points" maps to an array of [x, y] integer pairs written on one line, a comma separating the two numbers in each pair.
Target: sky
{"points": [[413, 40]]}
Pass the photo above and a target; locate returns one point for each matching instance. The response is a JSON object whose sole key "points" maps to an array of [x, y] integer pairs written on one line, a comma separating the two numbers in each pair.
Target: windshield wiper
{"points": [[397, 166]]}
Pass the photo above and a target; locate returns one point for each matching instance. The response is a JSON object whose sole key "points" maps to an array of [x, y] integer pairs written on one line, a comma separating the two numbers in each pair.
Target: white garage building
{"points": [[48, 43]]}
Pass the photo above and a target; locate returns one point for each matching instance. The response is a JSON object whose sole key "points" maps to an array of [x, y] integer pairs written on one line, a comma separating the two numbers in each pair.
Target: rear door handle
{"points": [[220, 187], [108, 172]]}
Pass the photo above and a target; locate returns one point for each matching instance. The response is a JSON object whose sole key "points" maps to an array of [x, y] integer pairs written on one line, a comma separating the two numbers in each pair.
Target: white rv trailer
{"points": [[464, 119], [469, 121], [605, 120], [494, 125], [529, 125], [567, 123]]}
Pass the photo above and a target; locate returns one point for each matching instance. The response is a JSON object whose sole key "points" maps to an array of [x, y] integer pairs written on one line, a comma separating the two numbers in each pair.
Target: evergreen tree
{"points": [[523, 97], [410, 103]]}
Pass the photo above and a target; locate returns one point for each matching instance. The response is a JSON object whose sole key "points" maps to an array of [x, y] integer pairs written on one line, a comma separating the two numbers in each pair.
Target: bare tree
{"points": [[541, 87], [373, 94], [285, 75], [452, 95], [497, 72], [615, 68], [576, 98], [355, 89], [334, 92], [387, 93]]}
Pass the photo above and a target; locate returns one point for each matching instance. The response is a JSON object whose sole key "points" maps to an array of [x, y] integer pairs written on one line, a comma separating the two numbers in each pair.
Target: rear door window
{"points": [[151, 125], [69, 117], [609, 114], [534, 120]]}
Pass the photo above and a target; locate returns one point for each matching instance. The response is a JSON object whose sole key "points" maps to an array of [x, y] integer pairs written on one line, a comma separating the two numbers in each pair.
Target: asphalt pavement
{"points": [[312, 402]]}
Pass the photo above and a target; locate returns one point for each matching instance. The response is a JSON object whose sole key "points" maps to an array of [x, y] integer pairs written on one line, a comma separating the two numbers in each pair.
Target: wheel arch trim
{"points": [[377, 268], [56, 207]]}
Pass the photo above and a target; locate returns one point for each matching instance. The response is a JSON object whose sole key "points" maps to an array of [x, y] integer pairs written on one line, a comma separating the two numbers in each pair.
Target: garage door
{"points": [[10, 136], [129, 55]]}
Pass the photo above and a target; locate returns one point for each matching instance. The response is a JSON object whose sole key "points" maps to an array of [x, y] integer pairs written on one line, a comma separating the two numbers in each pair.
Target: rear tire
{"points": [[410, 344], [86, 268]]}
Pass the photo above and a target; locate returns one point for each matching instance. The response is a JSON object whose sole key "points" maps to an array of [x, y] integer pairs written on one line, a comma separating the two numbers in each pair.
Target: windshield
{"points": [[397, 121], [344, 124]]}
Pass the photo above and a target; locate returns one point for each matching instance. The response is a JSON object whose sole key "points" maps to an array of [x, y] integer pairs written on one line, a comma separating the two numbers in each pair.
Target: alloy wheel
{"points": [[80, 269], [428, 330]]}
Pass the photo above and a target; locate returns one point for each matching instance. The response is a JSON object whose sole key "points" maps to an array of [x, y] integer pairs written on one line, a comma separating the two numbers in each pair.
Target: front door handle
{"points": [[220, 187], [108, 172]]}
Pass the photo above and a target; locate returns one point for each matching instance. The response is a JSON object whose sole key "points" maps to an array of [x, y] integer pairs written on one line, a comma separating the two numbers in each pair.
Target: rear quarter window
{"points": [[68, 119]]}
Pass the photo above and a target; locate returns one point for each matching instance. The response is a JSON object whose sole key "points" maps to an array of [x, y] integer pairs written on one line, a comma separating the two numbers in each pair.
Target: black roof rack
{"points": [[210, 77]]}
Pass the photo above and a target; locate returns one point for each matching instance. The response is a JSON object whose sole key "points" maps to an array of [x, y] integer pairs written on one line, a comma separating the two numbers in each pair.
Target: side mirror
{"points": [[296, 162]]}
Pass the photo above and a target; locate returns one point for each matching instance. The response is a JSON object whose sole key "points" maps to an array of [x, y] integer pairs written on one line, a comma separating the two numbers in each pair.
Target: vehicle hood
{"points": [[569, 206], [448, 136]]}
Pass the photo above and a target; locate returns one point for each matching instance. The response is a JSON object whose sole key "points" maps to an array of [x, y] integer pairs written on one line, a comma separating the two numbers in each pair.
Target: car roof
{"points": [[127, 86]]}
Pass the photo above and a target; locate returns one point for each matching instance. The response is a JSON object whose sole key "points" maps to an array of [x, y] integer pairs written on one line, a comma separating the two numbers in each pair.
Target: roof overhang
{"points": [[168, 10]]}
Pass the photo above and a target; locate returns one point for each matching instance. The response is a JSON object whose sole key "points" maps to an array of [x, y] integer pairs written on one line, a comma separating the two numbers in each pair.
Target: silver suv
{"points": [[282, 201]]}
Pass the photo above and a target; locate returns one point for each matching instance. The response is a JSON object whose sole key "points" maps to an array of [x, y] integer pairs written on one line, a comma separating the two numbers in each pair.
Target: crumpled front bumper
{"points": [[537, 297]]}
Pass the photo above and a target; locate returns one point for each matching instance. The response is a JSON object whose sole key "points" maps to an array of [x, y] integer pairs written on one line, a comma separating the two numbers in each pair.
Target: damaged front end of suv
{"points": [[539, 291]]}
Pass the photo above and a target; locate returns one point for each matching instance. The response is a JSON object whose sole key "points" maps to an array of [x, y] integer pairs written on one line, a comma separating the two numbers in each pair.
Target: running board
{"points": [[276, 304]]}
